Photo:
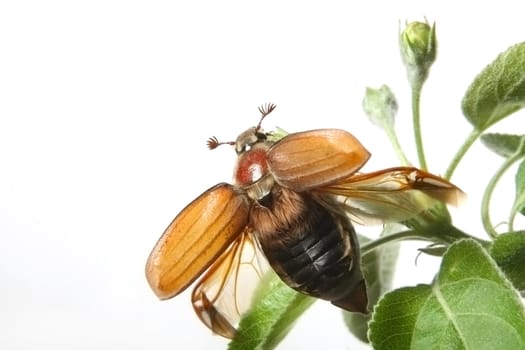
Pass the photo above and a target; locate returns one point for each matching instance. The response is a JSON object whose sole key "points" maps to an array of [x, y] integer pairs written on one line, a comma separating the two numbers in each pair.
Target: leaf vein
{"points": [[448, 312]]}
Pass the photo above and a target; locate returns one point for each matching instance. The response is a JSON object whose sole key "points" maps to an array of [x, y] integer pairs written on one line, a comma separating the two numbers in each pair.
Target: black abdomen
{"points": [[314, 250]]}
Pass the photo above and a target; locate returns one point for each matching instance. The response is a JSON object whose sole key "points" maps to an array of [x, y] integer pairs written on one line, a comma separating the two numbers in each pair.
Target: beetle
{"points": [[294, 198]]}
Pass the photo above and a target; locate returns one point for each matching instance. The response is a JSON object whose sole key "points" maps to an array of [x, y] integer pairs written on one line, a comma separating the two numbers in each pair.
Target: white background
{"points": [[105, 107]]}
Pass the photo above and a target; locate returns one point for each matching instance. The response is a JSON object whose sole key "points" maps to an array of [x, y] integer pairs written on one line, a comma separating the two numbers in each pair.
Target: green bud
{"points": [[418, 46], [380, 106]]}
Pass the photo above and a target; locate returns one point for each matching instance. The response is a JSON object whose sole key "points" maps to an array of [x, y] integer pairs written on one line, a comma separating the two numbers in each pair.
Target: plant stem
{"points": [[487, 195], [473, 136], [392, 136], [394, 237], [451, 234], [438, 232], [416, 102]]}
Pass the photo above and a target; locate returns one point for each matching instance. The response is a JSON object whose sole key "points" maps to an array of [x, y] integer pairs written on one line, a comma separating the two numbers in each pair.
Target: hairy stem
{"points": [[392, 136], [394, 237], [487, 195], [424, 227], [416, 120], [473, 136]]}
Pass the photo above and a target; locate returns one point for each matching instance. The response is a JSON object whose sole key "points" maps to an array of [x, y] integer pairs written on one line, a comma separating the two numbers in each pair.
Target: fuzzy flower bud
{"points": [[380, 106], [418, 46]]}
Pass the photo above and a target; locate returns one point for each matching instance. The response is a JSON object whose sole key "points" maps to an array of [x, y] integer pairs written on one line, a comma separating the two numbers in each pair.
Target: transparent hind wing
{"points": [[392, 195], [225, 291]]}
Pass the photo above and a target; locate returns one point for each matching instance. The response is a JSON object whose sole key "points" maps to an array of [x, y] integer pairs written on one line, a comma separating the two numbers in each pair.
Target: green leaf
{"points": [[519, 200], [275, 309], [505, 145], [378, 267], [508, 250], [470, 305], [498, 91]]}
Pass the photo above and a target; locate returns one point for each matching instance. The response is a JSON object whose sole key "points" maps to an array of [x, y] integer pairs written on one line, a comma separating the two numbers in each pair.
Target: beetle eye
{"points": [[261, 137]]}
